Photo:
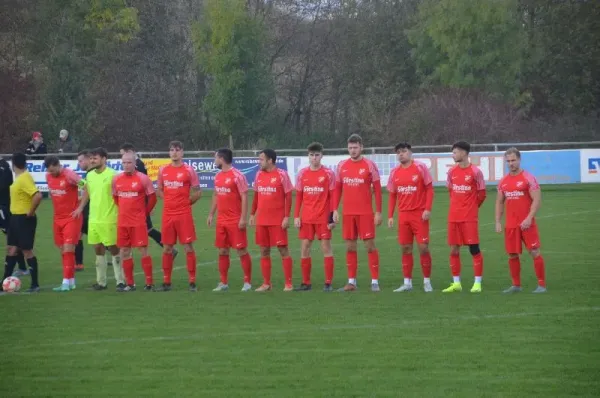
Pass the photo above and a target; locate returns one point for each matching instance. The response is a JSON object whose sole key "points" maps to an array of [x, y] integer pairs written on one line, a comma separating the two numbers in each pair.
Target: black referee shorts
{"points": [[21, 231], [4, 218]]}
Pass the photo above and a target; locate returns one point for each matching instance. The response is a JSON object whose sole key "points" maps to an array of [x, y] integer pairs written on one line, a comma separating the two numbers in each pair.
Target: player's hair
{"points": [[513, 151], [315, 147], [127, 147], [464, 145], [51, 160], [355, 139], [19, 160], [85, 152], [99, 152], [402, 145], [226, 154], [270, 154], [176, 145]]}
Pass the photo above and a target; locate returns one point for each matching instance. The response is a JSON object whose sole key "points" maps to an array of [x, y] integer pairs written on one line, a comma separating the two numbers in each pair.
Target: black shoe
{"points": [[33, 289], [303, 288], [148, 288], [166, 287], [328, 287], [193, 287], [128, 288], [98, 287], [120, 287]]}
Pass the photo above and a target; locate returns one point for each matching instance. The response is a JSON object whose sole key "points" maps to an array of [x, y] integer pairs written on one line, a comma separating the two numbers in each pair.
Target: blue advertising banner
{"points": [[206, 169], [553, 167]]}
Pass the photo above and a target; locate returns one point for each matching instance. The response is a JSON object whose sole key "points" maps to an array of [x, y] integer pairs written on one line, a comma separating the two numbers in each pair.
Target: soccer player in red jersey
{"points": [[467, 193], [271, 208], [230, 202], [179, 187], [410, 188], [520, 193], [63, 186], [313, 215], [135, 198], [357, 179]]}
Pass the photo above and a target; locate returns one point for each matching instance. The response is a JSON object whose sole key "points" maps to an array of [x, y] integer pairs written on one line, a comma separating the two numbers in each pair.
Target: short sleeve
{"points": [[479, 180], [391, 186], [299, 186], [331, 176], [425, 174], [532, 181], [241, 183], [147, 184], [29, 185], [285, 181], [72, 177], [194, 181], [159, 180], [374, 171]]}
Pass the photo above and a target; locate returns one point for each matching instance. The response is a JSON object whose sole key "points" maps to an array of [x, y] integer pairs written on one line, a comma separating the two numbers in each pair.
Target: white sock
{"points": [[376, 281], [426, 280], [408, 281], [72, 281], [65, 281], [352, 281], [456, 279], [478, 279]]}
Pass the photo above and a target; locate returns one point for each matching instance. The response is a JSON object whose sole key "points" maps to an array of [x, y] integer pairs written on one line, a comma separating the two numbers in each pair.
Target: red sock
{"points": [[167, 266], [287, 264], [426, 264], [455, 264], [478, 265], [224, 268], [329, 265], [265, 267], [68, 265], [540, 270], [128, 269], [407, 265], [352, 264], [374, 264], [306, 264], [147, 267], [515, 270], [190, 262], [246, 261]]}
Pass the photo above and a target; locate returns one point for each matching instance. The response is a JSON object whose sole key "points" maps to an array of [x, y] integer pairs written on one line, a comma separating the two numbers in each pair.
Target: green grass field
{"points": [[85, 344]]}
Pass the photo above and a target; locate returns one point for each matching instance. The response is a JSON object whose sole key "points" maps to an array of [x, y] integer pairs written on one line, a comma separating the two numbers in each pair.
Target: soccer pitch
{"points": [[84, 343]]}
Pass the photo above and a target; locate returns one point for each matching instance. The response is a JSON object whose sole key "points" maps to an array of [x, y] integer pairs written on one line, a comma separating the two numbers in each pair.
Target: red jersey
{"points": [[356, 179], [64, 192], [314, 192], [412, 186], [176, 183], [465, 185], [517, 195], [229, 185], [271, 189], [131, 191]]}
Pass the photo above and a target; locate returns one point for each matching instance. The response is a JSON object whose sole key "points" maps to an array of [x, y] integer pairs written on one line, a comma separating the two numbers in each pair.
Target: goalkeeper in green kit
{"points": [[102, 229]]}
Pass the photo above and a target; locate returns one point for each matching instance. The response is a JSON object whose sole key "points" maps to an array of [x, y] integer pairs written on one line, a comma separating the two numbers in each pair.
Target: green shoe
{"points": [[72, 287], [62, 288]]}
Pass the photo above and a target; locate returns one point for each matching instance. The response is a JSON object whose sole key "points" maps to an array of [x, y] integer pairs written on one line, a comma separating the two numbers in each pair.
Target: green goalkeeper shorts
{"points": [[105, 234]]}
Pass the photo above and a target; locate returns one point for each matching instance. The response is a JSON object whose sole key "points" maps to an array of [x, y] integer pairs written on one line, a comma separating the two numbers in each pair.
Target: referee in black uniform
{"points": [[6, 180], [141, 167], [83, 161], [24, 201]]}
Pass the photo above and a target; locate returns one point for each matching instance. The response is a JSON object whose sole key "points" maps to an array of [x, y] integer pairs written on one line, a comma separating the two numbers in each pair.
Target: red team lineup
{"points": [[318, 193]]}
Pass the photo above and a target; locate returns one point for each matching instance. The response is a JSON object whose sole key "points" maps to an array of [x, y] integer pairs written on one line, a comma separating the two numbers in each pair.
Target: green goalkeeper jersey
{"points": [[102, 206]]}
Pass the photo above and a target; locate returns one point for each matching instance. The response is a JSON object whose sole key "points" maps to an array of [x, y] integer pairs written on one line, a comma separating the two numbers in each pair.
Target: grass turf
{"points": [[88, 344]]}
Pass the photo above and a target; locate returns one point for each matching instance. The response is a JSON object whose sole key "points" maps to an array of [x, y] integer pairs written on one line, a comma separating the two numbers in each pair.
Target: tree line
{"points": [[252, 73]]}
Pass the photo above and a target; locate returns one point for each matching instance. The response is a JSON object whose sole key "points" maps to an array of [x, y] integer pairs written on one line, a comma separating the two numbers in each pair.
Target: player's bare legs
{"points": [[373, 255], [68, 263]]}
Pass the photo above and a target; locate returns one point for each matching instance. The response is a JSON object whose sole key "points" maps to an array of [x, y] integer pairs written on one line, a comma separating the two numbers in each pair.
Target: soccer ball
{"points": [[11, 284]]}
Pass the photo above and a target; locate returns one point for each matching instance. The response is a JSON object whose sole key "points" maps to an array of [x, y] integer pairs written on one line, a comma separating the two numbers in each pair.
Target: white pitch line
{"points": [[213, 262], [397, 325]]}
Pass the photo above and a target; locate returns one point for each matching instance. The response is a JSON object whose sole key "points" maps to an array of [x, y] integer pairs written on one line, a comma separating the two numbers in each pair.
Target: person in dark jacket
{"points": [[65, 143], [36, 145]]}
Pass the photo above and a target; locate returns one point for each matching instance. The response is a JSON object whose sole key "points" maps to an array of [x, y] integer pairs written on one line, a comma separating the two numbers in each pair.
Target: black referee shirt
{"points": [[6, 180]]}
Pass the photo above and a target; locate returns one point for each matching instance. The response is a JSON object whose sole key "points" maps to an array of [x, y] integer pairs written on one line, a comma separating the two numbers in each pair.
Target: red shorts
{"points": [[132, 236], [178, 227], [355, 227], [67, 231], [514, 237], [411, 226], [271, 235], [463, 233], [227, 236], [309, 231]]}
